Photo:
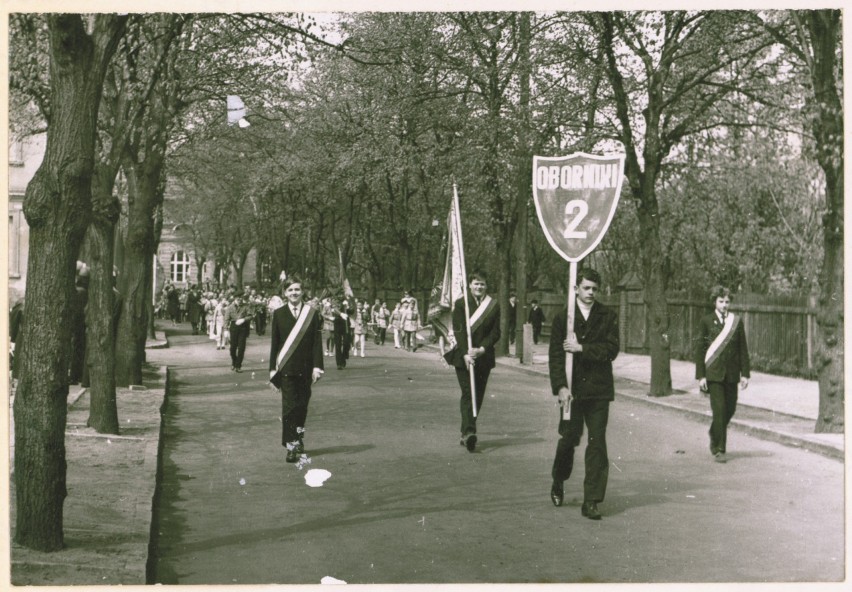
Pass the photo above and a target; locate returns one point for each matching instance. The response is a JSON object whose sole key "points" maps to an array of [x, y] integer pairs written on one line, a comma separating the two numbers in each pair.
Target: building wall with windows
{"points": [[25, 157]]}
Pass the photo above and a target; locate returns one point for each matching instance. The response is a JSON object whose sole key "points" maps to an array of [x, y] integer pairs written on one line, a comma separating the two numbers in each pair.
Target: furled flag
{"points": [[450, 287], [237, 111], [344, 281]]}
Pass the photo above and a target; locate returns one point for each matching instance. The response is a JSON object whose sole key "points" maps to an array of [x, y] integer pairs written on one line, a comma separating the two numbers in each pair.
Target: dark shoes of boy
{"points": [[295, 452], [469, 442], [557, 493], [590, 511]]}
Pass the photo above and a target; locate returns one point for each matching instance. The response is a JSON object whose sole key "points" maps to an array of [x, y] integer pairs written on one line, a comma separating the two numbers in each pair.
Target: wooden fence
{"points": [[780, 330]]}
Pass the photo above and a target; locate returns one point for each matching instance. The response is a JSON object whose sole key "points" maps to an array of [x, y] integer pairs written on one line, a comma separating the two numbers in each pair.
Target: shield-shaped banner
{"points": [[575, 197]]}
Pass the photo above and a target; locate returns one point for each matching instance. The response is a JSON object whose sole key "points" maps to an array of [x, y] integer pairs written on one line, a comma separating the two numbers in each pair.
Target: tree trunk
{"points": [[145, 195], [100, 322], [824, 28], [57, 207]]}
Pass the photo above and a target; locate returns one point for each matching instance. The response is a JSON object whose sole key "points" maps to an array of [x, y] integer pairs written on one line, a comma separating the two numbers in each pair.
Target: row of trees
{"points": [[730, 121]]}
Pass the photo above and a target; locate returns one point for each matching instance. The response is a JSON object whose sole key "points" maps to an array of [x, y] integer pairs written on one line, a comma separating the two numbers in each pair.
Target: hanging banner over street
{"points": [[575, 197]]}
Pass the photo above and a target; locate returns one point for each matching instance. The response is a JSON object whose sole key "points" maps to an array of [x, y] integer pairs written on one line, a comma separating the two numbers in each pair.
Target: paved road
{"points": [[406, 504]]}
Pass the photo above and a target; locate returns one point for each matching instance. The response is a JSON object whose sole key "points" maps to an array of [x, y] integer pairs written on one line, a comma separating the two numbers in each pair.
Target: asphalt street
{"points": [[405, 503]]}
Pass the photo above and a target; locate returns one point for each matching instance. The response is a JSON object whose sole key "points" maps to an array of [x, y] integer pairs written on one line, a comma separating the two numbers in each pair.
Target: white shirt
{"points": [[585, 310]]}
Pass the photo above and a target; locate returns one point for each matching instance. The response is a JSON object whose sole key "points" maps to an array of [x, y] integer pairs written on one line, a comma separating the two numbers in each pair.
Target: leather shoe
{"points": [[470, 442], [590, 511], [719, 457], [557, 494], [292, 455]]}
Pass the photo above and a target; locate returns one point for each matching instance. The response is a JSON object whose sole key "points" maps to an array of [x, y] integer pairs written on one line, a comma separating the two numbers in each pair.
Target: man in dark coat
{"points": [[594, 345], [536, 319], [485, 333], [295, 363], [721, 361], [194, 308]]}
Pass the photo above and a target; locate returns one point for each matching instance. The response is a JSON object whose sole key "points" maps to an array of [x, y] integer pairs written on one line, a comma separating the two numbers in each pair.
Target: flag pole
{"points": [[464, 296], [569, 330]]}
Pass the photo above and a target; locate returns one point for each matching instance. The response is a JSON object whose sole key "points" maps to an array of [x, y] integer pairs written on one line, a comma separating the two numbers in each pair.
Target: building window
{"points": [[16, 153], [14, 245], [179, 267]]}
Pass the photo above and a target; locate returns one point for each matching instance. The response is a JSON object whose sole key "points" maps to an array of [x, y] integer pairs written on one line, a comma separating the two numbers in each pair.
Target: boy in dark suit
{"points": [[485, 333], [295, 363], [536, 319], [594, 345], [721, 360]]}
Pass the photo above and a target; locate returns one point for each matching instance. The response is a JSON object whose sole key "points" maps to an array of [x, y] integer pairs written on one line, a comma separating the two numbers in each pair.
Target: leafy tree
{"points": [[667, 72]]}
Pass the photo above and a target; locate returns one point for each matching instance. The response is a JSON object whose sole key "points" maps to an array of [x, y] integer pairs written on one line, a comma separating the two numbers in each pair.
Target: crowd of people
{"points": [[348, 324], [347, 327]]}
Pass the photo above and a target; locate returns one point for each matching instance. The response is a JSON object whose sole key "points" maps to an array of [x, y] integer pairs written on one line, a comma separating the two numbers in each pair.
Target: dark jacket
{"points": [[486, 335], [536, 317], [308, 352], [733, 359], [592, 368]]}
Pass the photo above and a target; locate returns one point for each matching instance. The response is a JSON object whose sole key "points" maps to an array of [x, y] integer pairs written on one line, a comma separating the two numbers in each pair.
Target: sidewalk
{"points": [[776, 408], [111, 481]]}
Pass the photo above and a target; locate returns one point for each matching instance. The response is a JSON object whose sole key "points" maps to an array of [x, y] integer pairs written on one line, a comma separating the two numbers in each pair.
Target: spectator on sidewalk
{"points": [[536, 319], [721, 361], [593, 346], [512, 312]]}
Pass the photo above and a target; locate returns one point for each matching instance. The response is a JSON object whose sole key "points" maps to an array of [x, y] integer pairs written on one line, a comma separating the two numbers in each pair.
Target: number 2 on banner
{"points": [[572, 221]]}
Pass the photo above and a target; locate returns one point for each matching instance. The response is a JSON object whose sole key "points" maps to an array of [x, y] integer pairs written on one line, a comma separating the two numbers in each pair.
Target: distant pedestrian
{"points": [[194, 308], [172, 303], [594, 345], [536, 319], [396, 324], [77, 369], [341, 336], [238, 320], [512, 320], [410, 325], [295, 363], [360, 327], [721, 361], [381, 314]]}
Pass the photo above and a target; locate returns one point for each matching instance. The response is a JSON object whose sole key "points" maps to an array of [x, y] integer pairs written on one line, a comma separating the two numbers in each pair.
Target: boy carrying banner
{"points": [[295, 363], [485, 333], [721, 358]]}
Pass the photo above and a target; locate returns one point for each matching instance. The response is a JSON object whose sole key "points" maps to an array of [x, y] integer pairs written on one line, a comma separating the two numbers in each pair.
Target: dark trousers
{"points": [[295, 396], [536, 333], [260, 323], [341, 349], [239, 335], [480, 374], [595, 414], [723, 403], [381, 332]]}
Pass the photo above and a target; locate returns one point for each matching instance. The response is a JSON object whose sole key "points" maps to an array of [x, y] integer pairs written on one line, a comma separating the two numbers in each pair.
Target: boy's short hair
{"points": [[289, 281], [476, 274], [719, 292], [587, 273]]}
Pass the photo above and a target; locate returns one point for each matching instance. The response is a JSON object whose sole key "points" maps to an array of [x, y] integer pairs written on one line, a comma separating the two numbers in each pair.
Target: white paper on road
{"points": [[329, 579], [316, 477]]}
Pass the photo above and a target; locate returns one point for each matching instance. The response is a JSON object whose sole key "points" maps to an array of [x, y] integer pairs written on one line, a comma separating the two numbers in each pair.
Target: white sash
{"points": [[480, 310], [721, 339], [291, 338]]}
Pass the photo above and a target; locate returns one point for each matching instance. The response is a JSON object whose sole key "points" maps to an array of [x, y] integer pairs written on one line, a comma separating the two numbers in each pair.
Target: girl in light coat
{"points": [[395, 323]]}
